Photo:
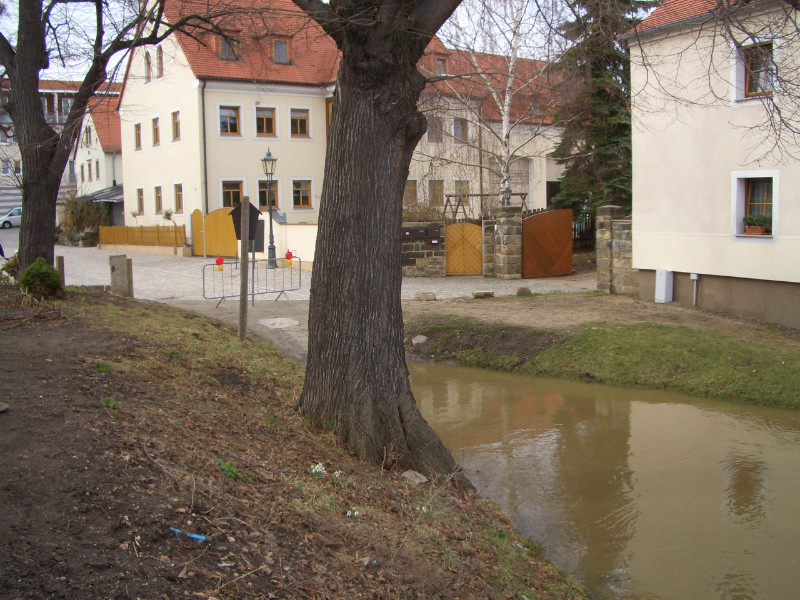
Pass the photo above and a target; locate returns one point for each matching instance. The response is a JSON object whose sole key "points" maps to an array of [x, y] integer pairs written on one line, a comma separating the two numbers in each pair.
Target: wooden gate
{"points": [[463, 249], [547, 244], [214, 235]]}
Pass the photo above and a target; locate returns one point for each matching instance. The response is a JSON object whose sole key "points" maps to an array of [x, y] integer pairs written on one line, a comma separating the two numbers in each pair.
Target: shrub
{"points": [[81, 214], [41, 280], [11, 267], [756, 220]]}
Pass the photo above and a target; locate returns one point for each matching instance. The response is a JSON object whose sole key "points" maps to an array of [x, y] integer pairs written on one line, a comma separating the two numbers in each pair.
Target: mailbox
{"points": [[418, 233], [406, 234], [433, 232]]}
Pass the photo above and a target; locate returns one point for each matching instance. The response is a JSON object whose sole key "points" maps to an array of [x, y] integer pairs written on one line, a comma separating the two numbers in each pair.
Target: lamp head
{"points": [[268, 163]]}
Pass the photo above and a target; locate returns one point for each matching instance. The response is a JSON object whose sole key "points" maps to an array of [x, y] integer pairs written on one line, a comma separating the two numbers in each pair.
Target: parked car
{"points": [[12, 218]]}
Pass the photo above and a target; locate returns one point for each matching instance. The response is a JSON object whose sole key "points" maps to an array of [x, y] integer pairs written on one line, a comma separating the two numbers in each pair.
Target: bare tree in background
{"points": [[86, 32], [762, 40], [499, 79], [357, 379]]}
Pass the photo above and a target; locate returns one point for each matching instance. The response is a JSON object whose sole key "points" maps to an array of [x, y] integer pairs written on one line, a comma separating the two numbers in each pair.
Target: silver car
{"points": [[12, 218]]}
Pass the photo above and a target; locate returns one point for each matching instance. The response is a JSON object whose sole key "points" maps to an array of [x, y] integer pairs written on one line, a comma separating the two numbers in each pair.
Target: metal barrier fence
{"points": [[276, 276]]}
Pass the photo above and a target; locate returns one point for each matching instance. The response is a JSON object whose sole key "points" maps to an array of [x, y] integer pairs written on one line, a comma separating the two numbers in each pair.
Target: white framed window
{"points": [[300, 123], [753, 71], [755, 192], [266, 120], [229, 121], [410, 193], [460, 130], [231, 191], [177, 197], [435, 192], [274, 194], [302, 194]]}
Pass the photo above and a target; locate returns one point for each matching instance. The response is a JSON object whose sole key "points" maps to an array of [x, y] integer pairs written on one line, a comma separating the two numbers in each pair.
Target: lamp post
{"points": [[507, 196], [268, 164]]}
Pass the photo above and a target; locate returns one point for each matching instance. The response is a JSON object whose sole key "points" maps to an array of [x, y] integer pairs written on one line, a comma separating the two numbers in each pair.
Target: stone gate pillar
{"points": [[508, 243]]}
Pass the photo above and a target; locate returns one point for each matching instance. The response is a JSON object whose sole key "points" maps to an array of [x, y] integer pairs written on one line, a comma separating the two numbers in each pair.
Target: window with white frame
{"points": [[299, 122], [301, 194], [755, 68], [410, 193], [267, 189], [755, 194]]}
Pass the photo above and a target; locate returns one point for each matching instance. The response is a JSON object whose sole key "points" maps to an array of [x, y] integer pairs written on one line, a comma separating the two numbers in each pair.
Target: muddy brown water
{"points": [[639, 494]]}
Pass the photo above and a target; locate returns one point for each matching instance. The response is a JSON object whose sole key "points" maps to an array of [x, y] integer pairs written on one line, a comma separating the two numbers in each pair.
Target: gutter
{"points": [[636, 34]]}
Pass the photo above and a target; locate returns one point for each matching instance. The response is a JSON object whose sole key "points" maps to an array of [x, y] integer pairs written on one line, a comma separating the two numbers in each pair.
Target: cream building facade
{"points": [[703, 158], [197, 116]]}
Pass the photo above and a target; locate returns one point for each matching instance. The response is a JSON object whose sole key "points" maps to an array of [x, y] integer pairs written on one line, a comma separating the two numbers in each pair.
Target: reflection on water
{"points": [[640, 494]]}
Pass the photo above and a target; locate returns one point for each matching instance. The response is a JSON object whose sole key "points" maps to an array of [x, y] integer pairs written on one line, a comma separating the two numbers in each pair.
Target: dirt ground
{"points": [[91, 494], [113, 451]]}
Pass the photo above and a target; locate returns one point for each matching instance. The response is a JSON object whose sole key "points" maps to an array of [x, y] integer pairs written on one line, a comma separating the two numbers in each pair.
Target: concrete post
{"points": [[60, 269], [121, 275]]}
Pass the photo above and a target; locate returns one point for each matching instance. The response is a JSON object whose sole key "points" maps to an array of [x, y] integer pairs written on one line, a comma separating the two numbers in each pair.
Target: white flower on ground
{"points": [[318, 470], [352, 513]]}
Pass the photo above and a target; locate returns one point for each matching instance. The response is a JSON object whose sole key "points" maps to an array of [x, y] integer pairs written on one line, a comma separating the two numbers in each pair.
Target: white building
{"points": [[703, 159]]}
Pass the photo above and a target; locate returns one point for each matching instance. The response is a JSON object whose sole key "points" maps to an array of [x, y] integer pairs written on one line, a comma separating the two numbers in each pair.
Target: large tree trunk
{"points": [[44, 152], [40, 185], [357, 380]]}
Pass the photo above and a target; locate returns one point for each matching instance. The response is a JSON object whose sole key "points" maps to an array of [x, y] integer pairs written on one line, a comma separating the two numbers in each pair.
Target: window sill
{"points": [[756, 236]]}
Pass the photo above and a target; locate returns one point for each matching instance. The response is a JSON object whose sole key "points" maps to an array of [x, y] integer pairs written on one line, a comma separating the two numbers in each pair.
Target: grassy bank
{"points": [[698, 362], [208, 423]]}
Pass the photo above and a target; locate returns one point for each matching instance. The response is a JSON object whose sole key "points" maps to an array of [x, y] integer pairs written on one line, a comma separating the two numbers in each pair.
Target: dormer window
{"points": [[441, 65], [280, 52], [227, 48]]}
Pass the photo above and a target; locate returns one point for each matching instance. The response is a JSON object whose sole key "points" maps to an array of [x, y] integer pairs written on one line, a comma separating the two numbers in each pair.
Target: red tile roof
{"points": [[674, 11], [314, 56], [106, 123], [532, 81]]}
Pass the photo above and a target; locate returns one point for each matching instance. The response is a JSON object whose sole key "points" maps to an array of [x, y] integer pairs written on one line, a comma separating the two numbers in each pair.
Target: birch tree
{"points": [[499, 77]]}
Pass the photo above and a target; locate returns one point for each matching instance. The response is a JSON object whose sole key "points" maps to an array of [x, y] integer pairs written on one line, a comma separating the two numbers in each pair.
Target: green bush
{"points": [[41, 280], [11, 267], [81, 214]]}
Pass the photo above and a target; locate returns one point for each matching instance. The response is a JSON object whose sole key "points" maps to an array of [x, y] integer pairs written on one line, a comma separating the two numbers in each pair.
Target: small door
{"points": [[463, 249]]}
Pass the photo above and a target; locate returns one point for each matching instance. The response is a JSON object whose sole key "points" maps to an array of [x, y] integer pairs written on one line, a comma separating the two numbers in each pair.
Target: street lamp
{"points": [[268, 164], [507, 196]]}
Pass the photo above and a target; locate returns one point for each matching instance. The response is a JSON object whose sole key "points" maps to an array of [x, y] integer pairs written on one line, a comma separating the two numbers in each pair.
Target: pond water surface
{"points": [[639, 494]]}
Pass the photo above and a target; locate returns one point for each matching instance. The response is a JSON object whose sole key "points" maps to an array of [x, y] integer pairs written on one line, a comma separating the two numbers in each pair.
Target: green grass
{"points": [[231, 471], [697, 362]]}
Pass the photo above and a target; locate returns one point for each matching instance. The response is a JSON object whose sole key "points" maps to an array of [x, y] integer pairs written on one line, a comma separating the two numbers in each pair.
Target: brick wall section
{"points": [[420, 258], [508, 243], [488, 247], [615, 272]]}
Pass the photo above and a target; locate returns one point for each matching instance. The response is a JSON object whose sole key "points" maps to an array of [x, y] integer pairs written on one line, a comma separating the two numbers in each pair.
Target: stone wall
{"points": [[615, 272], [424, 257], [508, 243]]}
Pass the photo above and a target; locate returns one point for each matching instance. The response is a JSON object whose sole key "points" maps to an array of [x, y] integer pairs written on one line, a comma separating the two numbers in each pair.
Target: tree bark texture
{"points": [[357, 379]]}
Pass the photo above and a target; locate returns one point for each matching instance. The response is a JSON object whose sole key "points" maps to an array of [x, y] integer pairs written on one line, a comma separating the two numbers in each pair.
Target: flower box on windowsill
{"points": [[755, 230]]}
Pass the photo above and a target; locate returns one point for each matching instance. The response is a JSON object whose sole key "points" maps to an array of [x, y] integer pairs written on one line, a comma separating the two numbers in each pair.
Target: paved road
{"points": [[171, 278], [179, 281]]}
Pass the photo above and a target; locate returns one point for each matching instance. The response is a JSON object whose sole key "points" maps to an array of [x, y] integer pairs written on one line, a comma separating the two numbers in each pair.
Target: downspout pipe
{"points": [[205, 159]]}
